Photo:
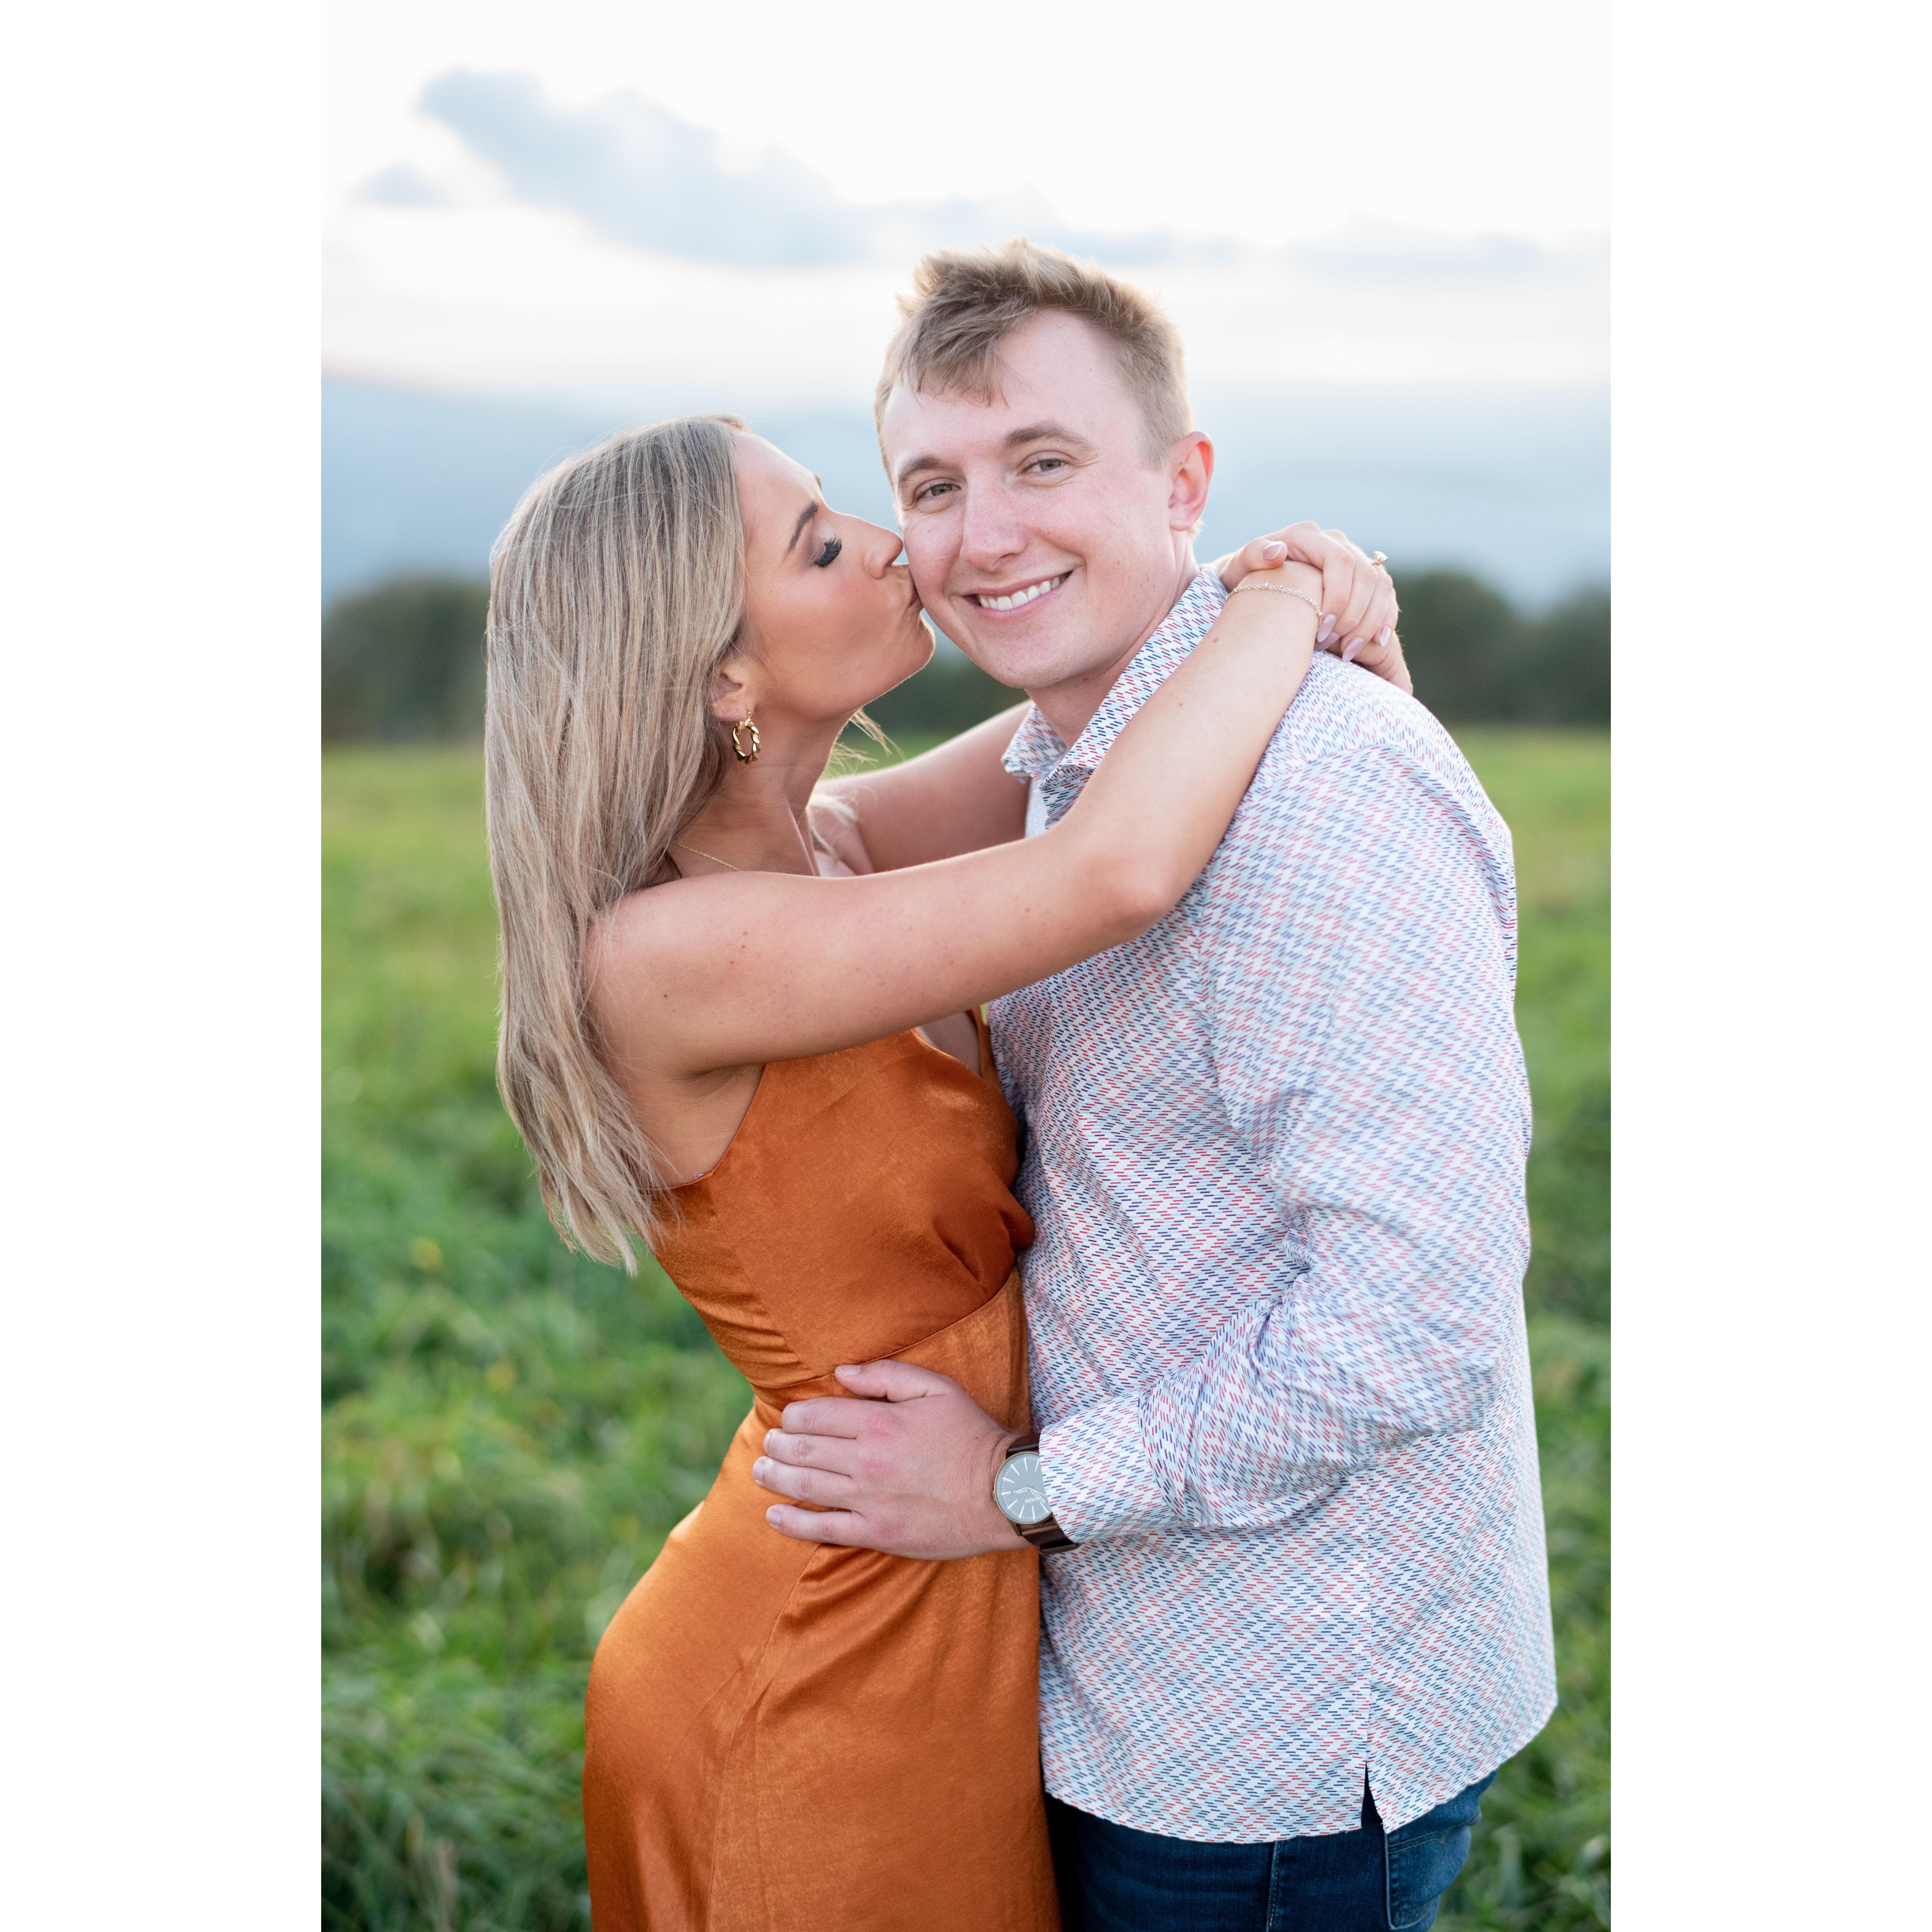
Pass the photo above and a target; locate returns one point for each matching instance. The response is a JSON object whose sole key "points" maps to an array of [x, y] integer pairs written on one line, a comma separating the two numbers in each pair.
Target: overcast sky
{"points": [[583, 197]]}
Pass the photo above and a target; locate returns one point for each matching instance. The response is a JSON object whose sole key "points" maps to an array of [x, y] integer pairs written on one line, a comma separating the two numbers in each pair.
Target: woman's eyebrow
{"points": [[804, 516]]}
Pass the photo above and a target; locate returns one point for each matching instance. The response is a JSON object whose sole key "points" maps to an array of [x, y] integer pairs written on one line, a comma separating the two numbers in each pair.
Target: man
{"points": [[1295, 1605]]}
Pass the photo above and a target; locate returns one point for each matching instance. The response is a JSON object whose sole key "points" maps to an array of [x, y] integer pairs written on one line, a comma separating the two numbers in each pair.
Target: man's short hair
{"points": [[966, 302]]}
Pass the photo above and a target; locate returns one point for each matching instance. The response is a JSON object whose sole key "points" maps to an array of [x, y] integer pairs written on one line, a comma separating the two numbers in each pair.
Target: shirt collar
{"points": [[1036, 752]]}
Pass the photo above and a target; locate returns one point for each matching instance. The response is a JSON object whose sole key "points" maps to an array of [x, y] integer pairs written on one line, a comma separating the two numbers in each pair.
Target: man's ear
{"points": [[1191, 468]]}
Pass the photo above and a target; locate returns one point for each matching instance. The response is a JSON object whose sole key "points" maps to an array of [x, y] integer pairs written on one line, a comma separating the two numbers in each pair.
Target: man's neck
{"points": [[1069, 706]]}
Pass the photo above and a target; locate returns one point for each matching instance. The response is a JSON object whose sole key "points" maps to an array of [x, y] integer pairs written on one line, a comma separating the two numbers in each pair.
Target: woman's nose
{"points": [[882, 547]]}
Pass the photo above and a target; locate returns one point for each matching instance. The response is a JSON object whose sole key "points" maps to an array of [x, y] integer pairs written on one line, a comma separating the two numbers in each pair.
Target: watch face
{"points": [[1017, 1491]]}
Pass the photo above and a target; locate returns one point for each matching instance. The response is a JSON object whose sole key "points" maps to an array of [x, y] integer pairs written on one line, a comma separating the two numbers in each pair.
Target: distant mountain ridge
{"points": [[1510, 482]]}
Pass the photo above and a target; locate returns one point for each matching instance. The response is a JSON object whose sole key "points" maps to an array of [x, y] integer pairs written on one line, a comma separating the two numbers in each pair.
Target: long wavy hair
{"points": [[616, 589]]}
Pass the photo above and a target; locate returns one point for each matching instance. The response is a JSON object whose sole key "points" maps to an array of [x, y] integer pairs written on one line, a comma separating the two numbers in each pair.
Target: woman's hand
{"points": [[1358, 600]]}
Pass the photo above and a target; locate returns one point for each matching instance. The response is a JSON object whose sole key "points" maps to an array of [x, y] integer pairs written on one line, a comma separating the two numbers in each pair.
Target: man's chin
{"points": [[1028, 657]]}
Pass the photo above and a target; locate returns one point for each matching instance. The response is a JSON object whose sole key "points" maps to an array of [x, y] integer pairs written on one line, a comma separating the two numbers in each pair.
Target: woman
{"points": [[726, 1032]]}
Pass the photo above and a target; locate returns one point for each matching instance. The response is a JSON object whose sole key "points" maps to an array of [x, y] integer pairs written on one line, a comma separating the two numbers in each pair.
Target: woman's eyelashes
{"points": [[832, 548]]}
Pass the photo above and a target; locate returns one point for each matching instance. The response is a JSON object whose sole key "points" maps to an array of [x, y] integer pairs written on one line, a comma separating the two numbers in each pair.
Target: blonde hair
{"points": [[966, 302], [616, 589]]}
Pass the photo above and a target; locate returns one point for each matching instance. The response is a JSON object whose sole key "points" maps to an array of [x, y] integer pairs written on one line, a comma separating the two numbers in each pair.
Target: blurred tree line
{"points": [[404, 661]]}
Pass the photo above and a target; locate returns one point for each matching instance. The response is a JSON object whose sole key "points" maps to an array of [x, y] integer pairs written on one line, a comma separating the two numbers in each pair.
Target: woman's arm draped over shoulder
{"points": [[720, 972], [960, 797]]}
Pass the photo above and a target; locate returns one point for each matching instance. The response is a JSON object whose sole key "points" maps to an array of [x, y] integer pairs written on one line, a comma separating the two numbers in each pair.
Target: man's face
{"points": [[1042, 540]]}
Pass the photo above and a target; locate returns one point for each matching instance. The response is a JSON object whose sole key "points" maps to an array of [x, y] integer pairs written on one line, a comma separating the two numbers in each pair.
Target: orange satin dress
{"points": [[791, 1737]]}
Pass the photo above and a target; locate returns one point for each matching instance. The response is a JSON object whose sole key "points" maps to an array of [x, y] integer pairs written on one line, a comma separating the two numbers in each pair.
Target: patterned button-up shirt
{"points": [[1275, 1148]]}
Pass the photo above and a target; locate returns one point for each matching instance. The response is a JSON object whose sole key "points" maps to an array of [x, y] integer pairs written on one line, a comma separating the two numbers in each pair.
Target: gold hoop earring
{"points": [[738, 751]]}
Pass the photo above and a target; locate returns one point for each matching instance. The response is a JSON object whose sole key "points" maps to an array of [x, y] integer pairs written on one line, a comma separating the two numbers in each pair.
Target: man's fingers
{"points": [[811, 1452], [840, 1526], [826, 1415], [822, 1487], [896, 1382]]}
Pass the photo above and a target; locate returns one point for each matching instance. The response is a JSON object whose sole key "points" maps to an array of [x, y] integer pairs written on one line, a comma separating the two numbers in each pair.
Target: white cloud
{"points": [[639, 175], [519, 244], [1238, 116]]}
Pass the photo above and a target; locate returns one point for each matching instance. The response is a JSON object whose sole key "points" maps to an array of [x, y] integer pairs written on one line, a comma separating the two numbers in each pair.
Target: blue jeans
{"points": [[1113, 1879]]}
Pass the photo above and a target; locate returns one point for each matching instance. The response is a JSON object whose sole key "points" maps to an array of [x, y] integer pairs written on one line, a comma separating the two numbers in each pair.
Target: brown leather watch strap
{"points": [[1047, 1533]]}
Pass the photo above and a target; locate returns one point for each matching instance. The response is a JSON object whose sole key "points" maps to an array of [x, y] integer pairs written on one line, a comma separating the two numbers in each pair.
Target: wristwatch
{"points": [[1020, 1497]]}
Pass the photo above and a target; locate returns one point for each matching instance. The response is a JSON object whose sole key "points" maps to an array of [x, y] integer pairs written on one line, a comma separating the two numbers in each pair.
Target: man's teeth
{"points": [[1020, 597]]}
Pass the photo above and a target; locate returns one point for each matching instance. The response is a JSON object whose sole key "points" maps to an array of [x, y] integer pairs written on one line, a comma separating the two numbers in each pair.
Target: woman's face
{"points": [[831, 621]]}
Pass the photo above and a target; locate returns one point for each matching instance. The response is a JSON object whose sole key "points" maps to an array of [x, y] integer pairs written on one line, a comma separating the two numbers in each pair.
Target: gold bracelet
{"points": [[1281, 590]]}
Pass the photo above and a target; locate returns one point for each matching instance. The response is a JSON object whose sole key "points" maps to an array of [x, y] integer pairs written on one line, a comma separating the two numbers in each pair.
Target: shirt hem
{"points": [[1259, 1828]]}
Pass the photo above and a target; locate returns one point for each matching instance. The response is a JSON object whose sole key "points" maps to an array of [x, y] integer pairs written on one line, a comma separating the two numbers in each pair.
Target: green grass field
{"points": [[509, 1430]]}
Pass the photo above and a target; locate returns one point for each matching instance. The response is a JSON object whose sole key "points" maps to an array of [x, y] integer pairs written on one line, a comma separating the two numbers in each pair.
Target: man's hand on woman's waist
{"points": [[908, 1470]]}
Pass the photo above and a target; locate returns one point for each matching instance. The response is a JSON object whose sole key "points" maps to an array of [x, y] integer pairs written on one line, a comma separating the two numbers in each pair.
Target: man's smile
{"points": [[1011, 600]]}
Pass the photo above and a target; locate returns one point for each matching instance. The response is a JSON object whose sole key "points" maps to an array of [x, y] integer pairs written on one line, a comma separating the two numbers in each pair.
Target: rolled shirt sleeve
{"points": [[1356, 941]]}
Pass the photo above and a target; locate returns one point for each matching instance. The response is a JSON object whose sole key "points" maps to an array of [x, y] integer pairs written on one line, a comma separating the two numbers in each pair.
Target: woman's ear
{"points": [[732, 697]]}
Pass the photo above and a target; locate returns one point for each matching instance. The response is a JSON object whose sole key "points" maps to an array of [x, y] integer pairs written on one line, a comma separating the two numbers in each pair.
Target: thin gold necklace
{"points": [[679, 845]]}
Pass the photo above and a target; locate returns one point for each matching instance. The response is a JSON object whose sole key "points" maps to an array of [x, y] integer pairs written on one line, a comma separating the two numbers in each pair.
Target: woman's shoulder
{"points": [[662, 922], [680, 924]]}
